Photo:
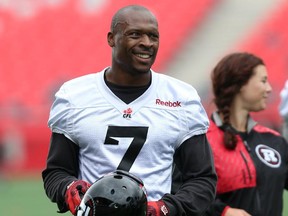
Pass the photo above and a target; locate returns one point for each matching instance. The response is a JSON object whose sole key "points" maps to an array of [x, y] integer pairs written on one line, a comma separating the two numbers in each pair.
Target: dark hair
{"points": [[229, 75]]}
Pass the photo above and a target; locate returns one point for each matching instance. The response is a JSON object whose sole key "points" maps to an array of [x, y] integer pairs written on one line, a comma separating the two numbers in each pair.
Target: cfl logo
{"points": [[127, 113]]}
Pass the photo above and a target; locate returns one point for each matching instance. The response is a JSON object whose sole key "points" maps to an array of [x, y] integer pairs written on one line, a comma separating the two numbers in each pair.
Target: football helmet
{"points": [[116, 194]]}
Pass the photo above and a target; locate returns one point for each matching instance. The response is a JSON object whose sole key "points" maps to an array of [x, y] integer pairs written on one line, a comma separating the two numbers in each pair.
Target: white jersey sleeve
{"points": [[140, 137], [283, 109]]}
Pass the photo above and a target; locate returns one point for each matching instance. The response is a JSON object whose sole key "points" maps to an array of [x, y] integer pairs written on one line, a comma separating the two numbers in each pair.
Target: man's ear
{"points": [[110, 39]]}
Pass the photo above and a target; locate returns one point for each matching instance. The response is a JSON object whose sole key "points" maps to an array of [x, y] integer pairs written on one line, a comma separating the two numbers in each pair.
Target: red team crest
{"points": [[268, 155]]}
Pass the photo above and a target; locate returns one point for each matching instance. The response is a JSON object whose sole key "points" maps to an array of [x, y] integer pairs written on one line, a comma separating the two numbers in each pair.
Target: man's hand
{"points": [[74, 193], [236, 212], [157, 208]]}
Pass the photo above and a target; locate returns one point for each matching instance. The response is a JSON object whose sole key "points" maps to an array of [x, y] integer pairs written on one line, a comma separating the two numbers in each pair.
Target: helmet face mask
{"points": [[117, 194]]}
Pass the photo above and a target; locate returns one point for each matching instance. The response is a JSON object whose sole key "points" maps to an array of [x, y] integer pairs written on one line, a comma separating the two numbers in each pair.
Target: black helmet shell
{"points": [[117, 194]]}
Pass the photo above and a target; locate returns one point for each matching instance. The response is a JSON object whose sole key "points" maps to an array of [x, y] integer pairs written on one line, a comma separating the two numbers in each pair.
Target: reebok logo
{"points": [[168, 103]]}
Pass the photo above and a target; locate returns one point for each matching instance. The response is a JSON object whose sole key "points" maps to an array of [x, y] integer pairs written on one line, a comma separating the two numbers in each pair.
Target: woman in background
{"points": [[251, 160]]}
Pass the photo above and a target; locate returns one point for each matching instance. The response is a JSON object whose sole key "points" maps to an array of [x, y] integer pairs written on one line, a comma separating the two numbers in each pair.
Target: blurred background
{"points": [[46, 42]]}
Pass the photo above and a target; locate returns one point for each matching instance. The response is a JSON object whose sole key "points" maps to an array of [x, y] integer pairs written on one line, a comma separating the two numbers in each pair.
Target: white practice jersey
{"points": [[283, 107], [140, 137]]}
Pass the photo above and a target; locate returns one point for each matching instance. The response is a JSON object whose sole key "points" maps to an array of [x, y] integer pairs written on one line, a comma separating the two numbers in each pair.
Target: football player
{"points": [[128, 117]]}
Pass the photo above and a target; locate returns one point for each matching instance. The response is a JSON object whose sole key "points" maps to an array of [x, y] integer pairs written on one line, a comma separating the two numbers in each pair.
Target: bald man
{"points": [[128, 117]]}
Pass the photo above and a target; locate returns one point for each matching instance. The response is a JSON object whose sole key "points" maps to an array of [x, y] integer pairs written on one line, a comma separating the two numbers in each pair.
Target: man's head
{"points": [[134, 39]]}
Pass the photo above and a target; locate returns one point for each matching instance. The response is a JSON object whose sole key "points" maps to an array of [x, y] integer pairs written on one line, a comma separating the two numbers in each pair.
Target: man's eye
{"points": [[135, 34], [154, 36]]}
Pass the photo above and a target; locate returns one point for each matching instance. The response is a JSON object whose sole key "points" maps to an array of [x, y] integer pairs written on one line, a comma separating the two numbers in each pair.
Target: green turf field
{"points": [[27, 198]]}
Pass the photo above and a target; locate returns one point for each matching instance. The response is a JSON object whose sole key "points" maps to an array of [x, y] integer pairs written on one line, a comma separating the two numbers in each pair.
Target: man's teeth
{"points": [[145, 56]]}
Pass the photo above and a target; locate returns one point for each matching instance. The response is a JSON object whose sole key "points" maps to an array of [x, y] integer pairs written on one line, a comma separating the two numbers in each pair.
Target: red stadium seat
{"points": [[54, 44], [270, 42]]}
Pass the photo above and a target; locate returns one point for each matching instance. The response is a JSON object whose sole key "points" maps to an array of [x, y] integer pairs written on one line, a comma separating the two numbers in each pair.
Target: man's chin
{"points": [[143, 70]]}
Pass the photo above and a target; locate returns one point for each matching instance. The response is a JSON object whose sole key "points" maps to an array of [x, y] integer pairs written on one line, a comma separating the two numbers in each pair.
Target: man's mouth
{"points": [[144, 56]]}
